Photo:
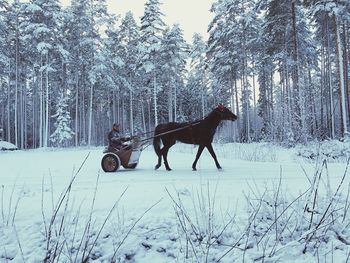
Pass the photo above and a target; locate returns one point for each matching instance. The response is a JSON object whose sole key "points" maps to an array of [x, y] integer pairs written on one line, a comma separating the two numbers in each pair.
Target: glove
{"points": [[125, 139]]}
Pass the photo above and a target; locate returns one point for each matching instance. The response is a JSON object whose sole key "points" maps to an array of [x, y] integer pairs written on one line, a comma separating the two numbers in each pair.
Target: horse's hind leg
{"points": [[157, 149], [159, 162], [165, 151], [167, 144]]}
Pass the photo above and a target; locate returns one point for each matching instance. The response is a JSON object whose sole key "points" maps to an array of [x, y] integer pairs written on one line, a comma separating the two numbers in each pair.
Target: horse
{"points": [[198, 133]]}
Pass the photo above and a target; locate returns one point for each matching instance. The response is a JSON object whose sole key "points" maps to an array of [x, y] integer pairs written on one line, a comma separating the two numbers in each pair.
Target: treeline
{"points": [[68, 73]]}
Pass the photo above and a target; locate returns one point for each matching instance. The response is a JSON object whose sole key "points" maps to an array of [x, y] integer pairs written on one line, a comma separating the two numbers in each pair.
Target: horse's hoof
{"points": [[194, 169], [156, 167], [219, 167], [168, 169]]}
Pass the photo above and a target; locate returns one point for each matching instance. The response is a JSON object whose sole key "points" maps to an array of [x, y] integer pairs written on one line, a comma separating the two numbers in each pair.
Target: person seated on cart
{"points": [[114, 138]]}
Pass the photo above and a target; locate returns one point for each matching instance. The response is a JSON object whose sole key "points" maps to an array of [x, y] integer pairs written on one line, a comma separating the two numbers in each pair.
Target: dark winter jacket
{"points": [[115, 140]]}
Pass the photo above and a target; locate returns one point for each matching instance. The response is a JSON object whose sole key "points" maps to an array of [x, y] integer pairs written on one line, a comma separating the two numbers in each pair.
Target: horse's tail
{"points": [[156, 142]]}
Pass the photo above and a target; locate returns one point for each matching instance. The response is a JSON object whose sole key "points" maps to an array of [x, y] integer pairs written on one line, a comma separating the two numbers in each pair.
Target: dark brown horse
{"points": [[200, 133]]}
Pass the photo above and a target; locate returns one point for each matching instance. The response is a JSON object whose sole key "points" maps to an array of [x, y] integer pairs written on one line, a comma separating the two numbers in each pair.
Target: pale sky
{"points": [[192, 15]]}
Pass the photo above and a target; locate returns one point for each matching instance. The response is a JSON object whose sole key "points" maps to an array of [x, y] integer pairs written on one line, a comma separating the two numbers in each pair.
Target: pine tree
{"points": [[152, 27], [230, 52], [63, 134], [5, 121], [291, 51], [88, 65], [173, 54], [80, 39], [194, 97], [40, 29], [123, 46]]}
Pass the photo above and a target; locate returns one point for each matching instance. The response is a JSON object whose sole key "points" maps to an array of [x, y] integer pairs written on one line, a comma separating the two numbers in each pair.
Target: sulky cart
{"points": [[128, 156]]}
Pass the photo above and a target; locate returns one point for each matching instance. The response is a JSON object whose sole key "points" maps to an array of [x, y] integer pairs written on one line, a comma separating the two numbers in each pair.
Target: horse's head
{"points": [[225, 113]]}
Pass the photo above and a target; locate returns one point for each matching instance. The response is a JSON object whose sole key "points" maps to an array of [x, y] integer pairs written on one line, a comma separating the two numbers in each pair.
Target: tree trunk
{"points": [[295, 73], [34, 112], [76, 135], [155, 100], [90, 114], [245, 89], [83, 115], [233, 104], [283, 99], [289, 97], [131, 115], [346, 70], [330, 85], [41, 114], [143, 116], [175, 102], [118, 106], [237, 110], [16, 83], [340, 60], [2, 119], [8, 104], [232, 94], [47, 99], [149, 114], [270, 105], [314, 127], [170, 103], [202, 101], [323, 87], [254, 105]]}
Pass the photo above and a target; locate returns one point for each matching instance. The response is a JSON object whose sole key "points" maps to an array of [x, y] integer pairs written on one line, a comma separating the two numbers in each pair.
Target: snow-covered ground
{"points": [[245, 212]]}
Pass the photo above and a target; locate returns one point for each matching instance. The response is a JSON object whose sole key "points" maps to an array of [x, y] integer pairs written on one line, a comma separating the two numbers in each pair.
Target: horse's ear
{"points": [[220, 106]]}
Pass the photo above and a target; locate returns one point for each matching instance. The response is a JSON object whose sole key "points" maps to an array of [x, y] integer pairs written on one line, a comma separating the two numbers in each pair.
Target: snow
{"points": [[43, 46], [332, 151], [7, 146], [32, 182]]}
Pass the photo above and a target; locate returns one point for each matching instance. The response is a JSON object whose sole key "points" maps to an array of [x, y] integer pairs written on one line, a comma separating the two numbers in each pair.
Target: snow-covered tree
{"points": [[152, 27], [282, 66], [233, 33], [41, 31], [173, 54], [123, 44], [5, 57], [332, 18], [63, 134], [194, 96], [290, 53]]}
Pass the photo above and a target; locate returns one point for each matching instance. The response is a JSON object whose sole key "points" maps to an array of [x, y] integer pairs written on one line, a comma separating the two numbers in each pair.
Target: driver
{"points": [[114, 138]]}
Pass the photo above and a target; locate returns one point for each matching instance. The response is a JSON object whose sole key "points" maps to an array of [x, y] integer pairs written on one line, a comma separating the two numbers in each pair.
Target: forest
{"points": [[68, 72]]}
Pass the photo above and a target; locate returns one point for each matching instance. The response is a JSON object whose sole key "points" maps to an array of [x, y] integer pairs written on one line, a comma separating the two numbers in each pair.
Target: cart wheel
{"points": [[110, 163], [131, 166]]}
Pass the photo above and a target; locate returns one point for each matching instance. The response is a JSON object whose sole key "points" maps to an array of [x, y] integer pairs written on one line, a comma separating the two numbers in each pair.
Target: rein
{"points": [[171, 131], [146, 141], [193, 123]]}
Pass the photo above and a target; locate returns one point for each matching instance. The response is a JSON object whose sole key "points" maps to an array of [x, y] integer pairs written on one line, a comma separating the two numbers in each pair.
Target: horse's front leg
{"points": [[199, 152], [212, 153]]}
